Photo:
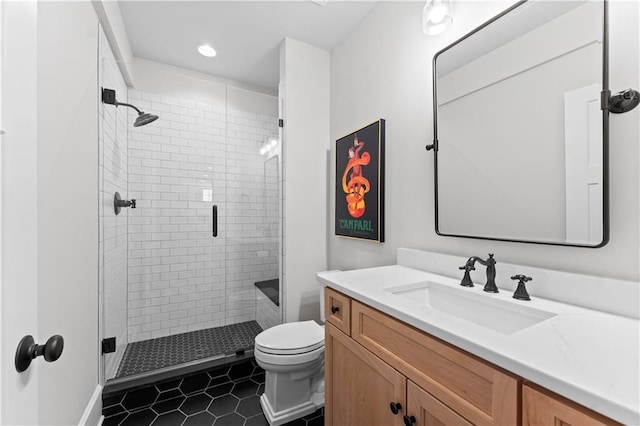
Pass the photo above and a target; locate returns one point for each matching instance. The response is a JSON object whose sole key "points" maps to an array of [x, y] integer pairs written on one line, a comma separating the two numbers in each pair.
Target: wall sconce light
{"points": [[269, 146], [436, 17]]}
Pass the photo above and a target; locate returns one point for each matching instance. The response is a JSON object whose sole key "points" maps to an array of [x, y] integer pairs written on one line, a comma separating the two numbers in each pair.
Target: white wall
{"points": [[67, 121], [116, 33], [383, 70], [304, 75], [168, 80]]}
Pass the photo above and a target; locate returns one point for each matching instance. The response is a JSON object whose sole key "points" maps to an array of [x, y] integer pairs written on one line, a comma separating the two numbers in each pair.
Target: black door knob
{"points": [[29, 350], [335, 309], [409, 420], [395, 407]]}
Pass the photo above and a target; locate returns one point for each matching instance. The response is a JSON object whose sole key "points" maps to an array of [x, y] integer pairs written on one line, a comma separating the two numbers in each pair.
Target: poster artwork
{"points": [[359, 183]]}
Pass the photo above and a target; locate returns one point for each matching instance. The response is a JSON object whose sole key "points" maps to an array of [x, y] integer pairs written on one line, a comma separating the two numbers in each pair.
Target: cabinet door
{"points": [[359, 386], [542, 409], [428, 411]]}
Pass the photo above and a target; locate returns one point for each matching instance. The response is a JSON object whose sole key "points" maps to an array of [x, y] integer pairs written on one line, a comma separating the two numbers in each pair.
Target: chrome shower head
{"points": [[144, 118], [109, 97]]}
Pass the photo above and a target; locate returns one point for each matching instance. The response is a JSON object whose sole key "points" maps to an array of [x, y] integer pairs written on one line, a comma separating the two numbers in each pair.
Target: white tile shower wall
{"points": [[113, 229], [196, 155]]}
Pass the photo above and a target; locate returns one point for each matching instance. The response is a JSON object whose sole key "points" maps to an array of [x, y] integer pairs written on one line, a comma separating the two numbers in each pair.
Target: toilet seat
{"points": [[291, 338]]}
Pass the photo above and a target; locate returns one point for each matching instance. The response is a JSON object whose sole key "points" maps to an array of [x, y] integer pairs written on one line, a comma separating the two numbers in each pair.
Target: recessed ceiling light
{"points": [[207, 50]]}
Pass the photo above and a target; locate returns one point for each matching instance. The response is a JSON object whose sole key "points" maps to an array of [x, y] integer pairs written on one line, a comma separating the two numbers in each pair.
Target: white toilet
{"points": [[292, 356]]}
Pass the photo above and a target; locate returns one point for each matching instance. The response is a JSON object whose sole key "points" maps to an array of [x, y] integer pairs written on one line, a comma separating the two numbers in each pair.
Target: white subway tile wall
{"points": [[113, 229], [195, 156]]}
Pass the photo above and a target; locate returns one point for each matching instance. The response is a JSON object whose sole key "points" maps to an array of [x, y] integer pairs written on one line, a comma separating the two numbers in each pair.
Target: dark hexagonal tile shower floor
{"points": [[154, 354]]}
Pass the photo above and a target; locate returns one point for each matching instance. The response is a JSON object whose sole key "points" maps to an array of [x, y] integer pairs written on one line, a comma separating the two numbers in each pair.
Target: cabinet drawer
{"points": [[541, 407], [476, 390], [337, 310]]}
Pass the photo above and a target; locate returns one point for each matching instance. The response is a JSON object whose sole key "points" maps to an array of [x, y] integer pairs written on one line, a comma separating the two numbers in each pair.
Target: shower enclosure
{"points": [[180, 272]]}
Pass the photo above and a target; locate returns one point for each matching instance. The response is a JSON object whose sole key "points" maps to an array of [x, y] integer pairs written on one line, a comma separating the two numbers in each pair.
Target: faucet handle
{"points": [[466, 279], [521, 291]]}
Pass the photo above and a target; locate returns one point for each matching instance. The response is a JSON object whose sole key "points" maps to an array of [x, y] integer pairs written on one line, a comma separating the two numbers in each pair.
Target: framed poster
{"points": [[360, 183]]}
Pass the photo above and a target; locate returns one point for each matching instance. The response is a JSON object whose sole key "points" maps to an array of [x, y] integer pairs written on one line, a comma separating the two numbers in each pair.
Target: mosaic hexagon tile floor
{"points": [[226, 396], [153, 354]]}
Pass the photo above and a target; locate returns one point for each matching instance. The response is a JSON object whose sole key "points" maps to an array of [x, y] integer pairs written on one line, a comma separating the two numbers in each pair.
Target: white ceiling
{"points": [[246, 34]]}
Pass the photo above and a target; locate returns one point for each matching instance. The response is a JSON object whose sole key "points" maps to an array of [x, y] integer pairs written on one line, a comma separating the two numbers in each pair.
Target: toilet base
{"points": [[292, 413]]}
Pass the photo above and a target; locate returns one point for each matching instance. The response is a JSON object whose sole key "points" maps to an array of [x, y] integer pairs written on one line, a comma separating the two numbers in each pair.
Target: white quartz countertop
{"points": [[588, 356]]}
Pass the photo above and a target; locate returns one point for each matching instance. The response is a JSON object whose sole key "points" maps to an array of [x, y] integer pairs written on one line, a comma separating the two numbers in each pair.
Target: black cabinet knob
{"points": [[335, 309], [409, 420], [395, 407], [28, 350]]}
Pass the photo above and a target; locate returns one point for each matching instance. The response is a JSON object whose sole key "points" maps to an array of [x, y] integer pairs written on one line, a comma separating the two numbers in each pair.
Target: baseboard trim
{"points": [[92, 415]]}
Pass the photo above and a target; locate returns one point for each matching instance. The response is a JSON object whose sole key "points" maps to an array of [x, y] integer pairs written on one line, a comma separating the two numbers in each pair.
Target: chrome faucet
{"points": [[490, 263]]}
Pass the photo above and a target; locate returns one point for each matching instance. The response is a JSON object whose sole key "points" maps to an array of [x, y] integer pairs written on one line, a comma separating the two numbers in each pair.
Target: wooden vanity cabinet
{"points": [[373, 360], [542, 407], [386, 361]]}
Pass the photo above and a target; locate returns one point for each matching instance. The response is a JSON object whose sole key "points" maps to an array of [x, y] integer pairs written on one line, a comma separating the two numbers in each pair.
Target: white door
{"points": [[583, 162], [18, 226]]}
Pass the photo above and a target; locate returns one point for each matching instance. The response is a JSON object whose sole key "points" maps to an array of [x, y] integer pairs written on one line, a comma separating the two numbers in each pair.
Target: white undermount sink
{"points": [[479, 308]]}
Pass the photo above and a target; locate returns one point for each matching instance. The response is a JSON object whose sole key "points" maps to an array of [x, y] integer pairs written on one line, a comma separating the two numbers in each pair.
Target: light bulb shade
{"points": [[436, 17], [207, 50]]}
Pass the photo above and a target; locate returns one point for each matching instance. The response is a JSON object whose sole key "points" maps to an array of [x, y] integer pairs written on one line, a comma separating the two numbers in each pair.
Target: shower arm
{"points": [[109, 97], [117, 104]]}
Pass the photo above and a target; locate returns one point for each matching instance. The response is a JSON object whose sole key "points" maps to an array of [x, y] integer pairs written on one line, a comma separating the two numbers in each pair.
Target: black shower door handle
{"points": [[214, 215]]}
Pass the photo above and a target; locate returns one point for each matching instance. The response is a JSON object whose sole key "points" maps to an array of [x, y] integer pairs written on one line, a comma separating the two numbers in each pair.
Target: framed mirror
{"points": [[520, 138]]}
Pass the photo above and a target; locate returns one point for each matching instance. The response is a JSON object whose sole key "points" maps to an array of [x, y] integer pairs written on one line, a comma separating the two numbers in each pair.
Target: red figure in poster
{"points": [[358, 185]]}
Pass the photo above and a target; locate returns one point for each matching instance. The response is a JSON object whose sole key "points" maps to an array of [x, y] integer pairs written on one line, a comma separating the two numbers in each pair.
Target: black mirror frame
{"points": [[605, 97]]}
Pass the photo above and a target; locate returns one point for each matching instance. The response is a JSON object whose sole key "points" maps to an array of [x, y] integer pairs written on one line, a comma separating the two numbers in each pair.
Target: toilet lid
{"points": [[291, 338]]}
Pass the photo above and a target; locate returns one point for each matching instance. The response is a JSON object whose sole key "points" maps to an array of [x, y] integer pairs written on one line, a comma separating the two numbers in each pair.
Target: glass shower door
{"points": [[182, 287], [252, 241], [176, 273], [113, 236]]}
